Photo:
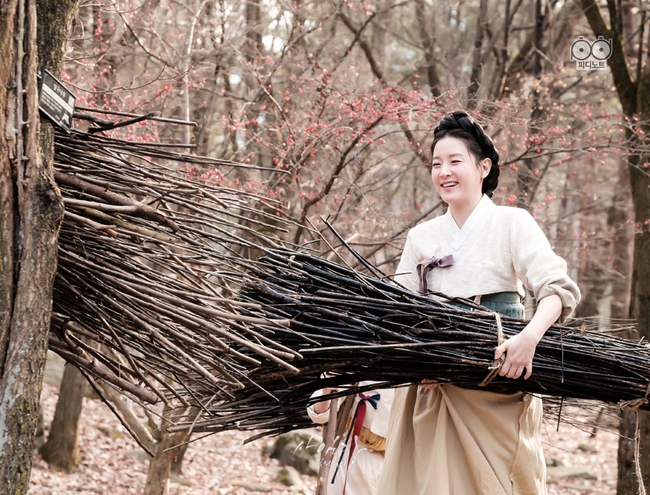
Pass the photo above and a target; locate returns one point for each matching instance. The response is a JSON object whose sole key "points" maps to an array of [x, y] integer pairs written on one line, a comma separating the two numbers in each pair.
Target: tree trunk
{"points": [[161, 464], [378, 38], [177, 462], [253, 29], [427, 40], [633, 96], [477, 57], [39, 436], [596, 282], [499, 73], [30, 215], [527, 180], [622, 230], [626, 483], [640, 311], [595, 273], [62, 447]]}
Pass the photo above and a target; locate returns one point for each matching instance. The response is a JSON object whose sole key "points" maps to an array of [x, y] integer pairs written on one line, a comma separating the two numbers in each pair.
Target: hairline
{"points": [[477, 161]]}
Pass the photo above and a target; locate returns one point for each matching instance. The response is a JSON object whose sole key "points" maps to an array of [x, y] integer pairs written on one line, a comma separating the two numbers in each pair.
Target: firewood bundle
{"points": [[348, 327], [179, 290], [150, 256]]}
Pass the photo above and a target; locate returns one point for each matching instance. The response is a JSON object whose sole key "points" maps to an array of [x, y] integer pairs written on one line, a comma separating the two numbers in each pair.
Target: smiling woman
{"points": [[443, 439], [458, 177]]}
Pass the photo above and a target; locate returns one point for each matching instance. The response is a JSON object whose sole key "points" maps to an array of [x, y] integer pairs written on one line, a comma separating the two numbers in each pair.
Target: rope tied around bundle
{"points": [[497, 364], [635, 404]]}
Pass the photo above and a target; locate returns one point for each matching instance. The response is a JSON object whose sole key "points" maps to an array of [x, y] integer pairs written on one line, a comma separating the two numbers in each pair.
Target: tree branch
{"points": [[376, 71], [123, 123], [363, 44], [92, 367], [337, 170], [477, 58], [136, 428], [626, 87], [428, 43], [137, 38], [141, 209]]}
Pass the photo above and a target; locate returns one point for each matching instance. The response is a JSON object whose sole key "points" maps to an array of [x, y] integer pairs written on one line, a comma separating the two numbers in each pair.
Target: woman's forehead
{"points": [[450, 146]]}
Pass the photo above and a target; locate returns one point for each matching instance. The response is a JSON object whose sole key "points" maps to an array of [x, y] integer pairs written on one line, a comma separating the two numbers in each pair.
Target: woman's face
{"points": [[455, 173]]}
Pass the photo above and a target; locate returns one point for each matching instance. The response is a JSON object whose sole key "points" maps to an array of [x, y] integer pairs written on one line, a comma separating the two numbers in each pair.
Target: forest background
{"points": [[342, 97]]}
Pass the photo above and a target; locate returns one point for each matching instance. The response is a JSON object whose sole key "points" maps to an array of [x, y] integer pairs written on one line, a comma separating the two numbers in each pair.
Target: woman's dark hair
{"points": [[460, 125]]}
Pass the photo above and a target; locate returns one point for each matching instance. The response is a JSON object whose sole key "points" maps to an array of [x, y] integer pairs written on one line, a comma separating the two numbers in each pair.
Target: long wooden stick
{"points": [[327, 454]]}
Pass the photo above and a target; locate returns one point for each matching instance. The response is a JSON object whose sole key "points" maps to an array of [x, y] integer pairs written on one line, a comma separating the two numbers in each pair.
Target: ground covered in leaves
{"points": [[221, 464]]}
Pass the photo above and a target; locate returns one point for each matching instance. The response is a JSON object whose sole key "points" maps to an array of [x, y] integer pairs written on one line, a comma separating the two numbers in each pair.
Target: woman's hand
{"points": [[520, 349], [519, 352], [324, 405], [428, 384]]}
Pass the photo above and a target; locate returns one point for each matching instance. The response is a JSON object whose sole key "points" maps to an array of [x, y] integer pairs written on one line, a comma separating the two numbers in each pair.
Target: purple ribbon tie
{"points": [[425, 266]]}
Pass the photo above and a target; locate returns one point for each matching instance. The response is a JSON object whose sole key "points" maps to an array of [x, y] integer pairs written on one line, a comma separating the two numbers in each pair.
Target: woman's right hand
{"points": [[428, 384]]}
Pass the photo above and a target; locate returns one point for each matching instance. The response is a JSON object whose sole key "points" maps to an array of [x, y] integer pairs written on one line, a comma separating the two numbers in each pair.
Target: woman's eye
{"points": [[435, 164]]}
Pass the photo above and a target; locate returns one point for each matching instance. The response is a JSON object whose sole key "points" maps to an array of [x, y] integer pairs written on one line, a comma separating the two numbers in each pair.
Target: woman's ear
{"points": [[485, 166]]}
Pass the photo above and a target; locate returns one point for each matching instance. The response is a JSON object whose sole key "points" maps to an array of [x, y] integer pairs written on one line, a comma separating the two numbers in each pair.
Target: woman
{"points": [[360, 445], [444, 440]]}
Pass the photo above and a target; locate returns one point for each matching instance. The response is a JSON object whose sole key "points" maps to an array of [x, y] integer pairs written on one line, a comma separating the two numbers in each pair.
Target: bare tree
{"points": [[31, 213], [426, 30], [62, 446], [632, 90], [477, 55]]}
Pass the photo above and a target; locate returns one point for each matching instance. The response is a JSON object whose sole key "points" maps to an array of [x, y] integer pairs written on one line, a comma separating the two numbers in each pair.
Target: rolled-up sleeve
{"points": [[538, 267], [318, 418]]}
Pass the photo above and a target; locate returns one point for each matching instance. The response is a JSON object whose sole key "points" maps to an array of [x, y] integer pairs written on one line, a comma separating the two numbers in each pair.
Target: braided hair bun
{"points": [[460, 125]]}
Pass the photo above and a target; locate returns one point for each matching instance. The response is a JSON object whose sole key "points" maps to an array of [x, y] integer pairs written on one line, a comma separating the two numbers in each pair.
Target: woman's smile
{"points": [[458, 177]]}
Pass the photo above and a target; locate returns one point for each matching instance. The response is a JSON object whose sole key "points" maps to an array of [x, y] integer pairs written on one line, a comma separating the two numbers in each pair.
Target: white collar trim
{"points": [[459, 236]]}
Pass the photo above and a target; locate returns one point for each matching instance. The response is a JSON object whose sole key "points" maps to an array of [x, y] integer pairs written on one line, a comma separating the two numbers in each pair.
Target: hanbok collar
{"points": [[460, 235]]}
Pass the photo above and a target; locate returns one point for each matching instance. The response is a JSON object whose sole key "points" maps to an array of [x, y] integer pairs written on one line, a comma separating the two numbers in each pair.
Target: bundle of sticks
{"points": [[348, 327], [160, 293], [149, 257]]}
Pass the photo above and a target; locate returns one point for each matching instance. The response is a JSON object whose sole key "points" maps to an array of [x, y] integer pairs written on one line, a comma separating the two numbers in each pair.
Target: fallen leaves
{"points": [[114, 464]]}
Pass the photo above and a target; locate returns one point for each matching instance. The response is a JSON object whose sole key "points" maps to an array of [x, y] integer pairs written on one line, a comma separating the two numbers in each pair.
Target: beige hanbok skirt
{"points": [[453, 441]]}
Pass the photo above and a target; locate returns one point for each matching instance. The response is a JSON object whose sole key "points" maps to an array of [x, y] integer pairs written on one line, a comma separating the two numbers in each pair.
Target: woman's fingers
{"points": [[516, 371], [511, 371], [518, 352], [428, 384], [529, 371], [500, 350]]}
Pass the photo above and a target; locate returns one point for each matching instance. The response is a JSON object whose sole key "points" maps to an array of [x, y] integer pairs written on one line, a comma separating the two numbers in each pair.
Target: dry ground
{"points": [[113, 464]]}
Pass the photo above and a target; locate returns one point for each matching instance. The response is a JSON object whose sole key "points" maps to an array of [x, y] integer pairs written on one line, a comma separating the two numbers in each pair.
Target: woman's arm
{"points": [[538, 267], [520, 349], [323, 406]]}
